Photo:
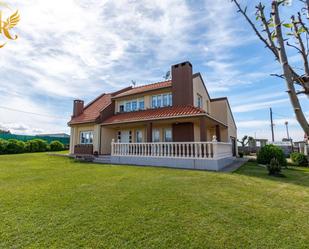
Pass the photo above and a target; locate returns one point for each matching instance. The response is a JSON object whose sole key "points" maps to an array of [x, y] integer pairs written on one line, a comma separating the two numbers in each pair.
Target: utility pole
{"points": [[272, 125], [287, 129]]}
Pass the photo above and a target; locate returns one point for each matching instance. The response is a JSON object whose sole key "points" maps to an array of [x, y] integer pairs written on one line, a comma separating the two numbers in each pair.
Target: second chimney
{"points": [[78, 107], [182, 84]]}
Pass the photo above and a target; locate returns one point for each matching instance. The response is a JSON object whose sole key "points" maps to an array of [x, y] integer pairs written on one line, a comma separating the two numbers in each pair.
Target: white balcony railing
{"points": [[193, 150]]}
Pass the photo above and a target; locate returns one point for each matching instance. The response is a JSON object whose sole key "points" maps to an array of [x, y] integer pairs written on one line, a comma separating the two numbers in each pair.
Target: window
{"points": [[159, 101], [162, 100], [121, 108], [165, 99], [86, 137], [199, 101], [168, 135], [155, 135], [139, 136], [134, 105], [154, 101], [119, 136], [141, 104], [128, 106]]}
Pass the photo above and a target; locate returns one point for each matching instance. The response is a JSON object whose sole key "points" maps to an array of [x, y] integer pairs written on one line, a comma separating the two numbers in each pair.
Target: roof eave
{"points": [[165, 118]]}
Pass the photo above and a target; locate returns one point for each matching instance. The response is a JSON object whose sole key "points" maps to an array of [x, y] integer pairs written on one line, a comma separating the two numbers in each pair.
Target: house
{"points": [[170, 123]]}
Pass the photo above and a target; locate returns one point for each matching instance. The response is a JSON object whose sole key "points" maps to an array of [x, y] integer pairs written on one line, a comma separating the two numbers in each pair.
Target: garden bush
{"points": [[36, 145], [269, 152], [56, 146], [3, 146], [299, 159], [274, 167], [15, 146]]}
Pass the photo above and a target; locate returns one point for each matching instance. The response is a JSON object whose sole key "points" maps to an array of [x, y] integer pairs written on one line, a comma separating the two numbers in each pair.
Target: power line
{"points": [[31, 113]]}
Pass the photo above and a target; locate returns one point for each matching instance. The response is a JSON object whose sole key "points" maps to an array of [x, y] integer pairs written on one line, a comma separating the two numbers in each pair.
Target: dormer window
{"points": [[128, 106], [141, 104], [161, 100], [121, 108], [132, 105]]}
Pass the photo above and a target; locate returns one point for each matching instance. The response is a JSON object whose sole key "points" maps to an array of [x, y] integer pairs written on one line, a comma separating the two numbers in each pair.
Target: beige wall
{"points": [[107, 135], [75, 135], [198, 88], [221, 111]]}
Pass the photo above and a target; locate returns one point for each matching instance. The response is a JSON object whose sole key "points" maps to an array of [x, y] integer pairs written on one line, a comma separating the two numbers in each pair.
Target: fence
{"points": [[64, 140]]}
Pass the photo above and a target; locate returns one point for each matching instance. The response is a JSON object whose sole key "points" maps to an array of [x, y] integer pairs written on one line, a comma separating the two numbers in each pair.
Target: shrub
{"points": [[3, 146], [36, 145], [299, 159], [32, 146], [241, 154], [274, 167], [15, 146], [269, 152], [56, 146]]}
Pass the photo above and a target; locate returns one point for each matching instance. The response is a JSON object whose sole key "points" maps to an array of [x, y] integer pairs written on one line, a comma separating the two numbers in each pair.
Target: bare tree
{"points": [[276, 40]]}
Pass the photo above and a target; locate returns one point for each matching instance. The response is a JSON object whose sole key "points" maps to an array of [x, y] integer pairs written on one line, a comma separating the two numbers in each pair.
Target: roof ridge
{"points": [[165, 81]]}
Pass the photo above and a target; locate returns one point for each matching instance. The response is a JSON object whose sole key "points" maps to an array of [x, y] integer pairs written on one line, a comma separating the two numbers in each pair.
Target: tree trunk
{"points": [[287, 70]]}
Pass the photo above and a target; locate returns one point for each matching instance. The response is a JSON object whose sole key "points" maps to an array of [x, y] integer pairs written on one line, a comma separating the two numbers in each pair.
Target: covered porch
{"points": [[193, 129]]}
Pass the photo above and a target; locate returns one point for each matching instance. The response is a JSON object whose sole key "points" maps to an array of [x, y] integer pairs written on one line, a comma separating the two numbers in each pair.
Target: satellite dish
{"points": [[133, 82]]}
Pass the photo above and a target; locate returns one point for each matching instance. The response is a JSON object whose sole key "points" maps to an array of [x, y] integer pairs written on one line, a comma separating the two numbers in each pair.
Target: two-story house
{"points": [[170, 114]]}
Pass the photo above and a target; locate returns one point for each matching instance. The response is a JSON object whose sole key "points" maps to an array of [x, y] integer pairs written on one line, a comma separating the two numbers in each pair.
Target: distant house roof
{"points": [[145, 88], [156, 114]]}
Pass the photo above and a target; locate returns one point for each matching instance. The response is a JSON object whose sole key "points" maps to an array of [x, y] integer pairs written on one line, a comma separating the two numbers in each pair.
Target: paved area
{"points": [[235, 165]]}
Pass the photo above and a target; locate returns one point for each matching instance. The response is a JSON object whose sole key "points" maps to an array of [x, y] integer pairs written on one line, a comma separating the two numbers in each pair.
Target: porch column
{"points": [[149, 132], [96, 138], [72, 140], [218, 133], [203, 131]]}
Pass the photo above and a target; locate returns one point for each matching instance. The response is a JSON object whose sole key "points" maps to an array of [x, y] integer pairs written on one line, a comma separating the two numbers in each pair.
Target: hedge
{"points": [[13, 146]]}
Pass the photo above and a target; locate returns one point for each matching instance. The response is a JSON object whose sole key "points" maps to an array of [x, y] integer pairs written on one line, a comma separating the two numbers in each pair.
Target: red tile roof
{"points": [[93, 109], [145, 88], [153, 114]]}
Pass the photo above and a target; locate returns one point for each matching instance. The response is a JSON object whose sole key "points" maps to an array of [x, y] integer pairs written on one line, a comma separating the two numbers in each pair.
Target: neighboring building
{"points": [[61, 135], [179, 111]]}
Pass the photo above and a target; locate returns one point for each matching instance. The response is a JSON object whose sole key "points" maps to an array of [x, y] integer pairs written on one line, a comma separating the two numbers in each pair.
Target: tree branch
{"points": [[243, 12], [302, 49], [270, 41]]}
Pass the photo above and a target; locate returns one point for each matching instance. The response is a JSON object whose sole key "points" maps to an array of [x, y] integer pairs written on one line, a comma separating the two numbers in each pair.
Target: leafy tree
{"points": [[276, 40], [245, 140], [4, 132]]}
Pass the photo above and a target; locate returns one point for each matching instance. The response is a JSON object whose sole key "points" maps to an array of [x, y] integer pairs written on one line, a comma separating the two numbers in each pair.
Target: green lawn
{"points": [[54, 202]]}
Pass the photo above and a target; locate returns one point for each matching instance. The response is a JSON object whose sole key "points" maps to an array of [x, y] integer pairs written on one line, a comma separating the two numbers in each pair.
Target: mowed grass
{"points": [[54, 202]]}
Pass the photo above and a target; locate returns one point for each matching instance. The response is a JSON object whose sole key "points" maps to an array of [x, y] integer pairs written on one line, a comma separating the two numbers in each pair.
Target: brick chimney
{"points": [[182, 84], [78, 107]]}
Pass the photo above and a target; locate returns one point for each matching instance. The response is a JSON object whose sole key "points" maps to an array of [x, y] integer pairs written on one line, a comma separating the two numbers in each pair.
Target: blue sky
{"points": [[79, 49]]}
